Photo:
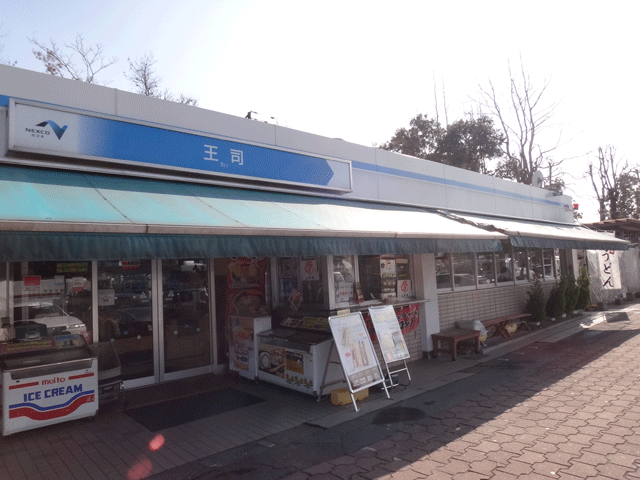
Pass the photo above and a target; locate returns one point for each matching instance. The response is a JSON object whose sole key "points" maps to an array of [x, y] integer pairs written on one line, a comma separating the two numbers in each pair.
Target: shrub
{"points": [[572, 294], [584, 293], [536, 302], [557, 302]]}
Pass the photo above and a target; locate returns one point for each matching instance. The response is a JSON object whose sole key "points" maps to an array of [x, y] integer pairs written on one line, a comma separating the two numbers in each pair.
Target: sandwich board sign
{"points": [[357, 356], [390, 338]]}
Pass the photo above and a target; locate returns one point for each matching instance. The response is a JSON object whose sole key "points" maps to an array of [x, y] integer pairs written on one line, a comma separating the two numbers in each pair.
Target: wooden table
{"points": [[452, 337], [500, 323]]}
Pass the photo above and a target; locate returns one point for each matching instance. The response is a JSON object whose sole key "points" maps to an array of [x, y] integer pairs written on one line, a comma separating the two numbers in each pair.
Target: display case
{"points": [[47, 381], [296, 355]]}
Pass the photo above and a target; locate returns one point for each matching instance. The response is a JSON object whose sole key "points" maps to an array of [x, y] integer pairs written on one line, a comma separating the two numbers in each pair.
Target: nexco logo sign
{"points": [[41, 132]]}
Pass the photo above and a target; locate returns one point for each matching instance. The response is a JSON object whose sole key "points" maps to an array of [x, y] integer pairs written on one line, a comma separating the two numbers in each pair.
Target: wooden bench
{"points": [[500, 323], [452, 337]]}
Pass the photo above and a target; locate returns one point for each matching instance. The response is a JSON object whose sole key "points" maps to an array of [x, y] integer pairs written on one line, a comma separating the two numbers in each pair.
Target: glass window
{"points": [[443, 270], [379, 276], [547, 261], [557, 269], [535, 260], [486, 269], [56, 296], [464, 270], [124, 314], [344, 279], [300, 282], [504, 263], [521, 264]]}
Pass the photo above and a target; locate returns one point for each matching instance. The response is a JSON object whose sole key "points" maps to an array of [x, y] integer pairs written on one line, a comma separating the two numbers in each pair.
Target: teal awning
{"points": [[60, 215], [548, 235]]}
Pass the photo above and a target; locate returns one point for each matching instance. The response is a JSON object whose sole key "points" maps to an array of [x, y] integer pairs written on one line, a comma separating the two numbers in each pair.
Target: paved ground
{"points": [[558, 403], [574, 414]]}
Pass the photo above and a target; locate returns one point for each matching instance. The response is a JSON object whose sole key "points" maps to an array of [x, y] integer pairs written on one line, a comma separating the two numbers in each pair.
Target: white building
{"points": [[155, 222]]}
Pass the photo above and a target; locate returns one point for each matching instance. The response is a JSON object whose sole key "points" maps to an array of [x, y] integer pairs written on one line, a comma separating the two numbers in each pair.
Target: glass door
{"points": [[186, 318], [125, 317]]}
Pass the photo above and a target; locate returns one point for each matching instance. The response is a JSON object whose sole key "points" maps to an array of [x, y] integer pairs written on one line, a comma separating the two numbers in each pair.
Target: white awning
{"points": [[547, 235]]}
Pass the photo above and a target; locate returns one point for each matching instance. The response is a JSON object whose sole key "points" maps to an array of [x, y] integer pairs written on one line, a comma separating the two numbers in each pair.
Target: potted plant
{"points": [[556, 302], [571, 297], [536, 302], [584, 292]]}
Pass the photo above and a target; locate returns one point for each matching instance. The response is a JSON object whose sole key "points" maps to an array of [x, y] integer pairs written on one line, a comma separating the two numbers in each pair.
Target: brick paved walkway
{"points": [[576, 416]]}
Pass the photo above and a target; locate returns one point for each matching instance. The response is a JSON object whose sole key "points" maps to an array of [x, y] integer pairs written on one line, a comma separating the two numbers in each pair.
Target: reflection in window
{"points": [[504, 263], [443, 270], [486, 269], [464, 270], [535, 257], [54, 295], [124, 314], [547, 261], [521, 264], [185, 303], [556, 252], [379, 275], [344, 277]]}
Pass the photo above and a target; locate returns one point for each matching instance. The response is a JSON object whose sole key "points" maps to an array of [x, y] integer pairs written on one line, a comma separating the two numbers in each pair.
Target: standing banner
{"points": [[357, 356], [390, 338]]}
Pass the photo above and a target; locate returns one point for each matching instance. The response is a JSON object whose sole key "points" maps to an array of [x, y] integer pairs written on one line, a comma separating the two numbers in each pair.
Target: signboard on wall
{"points": [[40, 129]]}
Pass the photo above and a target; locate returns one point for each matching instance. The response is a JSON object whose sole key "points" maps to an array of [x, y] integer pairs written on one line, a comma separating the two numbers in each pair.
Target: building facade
{"points": [[158, 227]]}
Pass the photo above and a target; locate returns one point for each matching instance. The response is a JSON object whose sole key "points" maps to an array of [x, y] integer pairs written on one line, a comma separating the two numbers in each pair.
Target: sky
{"points": [[359, 70]]}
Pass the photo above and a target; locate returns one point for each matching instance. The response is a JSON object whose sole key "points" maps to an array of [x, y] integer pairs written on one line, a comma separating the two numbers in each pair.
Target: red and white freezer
{"points": [[48, 385]]}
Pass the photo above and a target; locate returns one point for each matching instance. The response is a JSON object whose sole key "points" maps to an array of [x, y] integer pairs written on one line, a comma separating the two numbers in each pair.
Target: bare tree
{"points": [[522, 118], [5, 61], [143, 76], [606, 181], [61, 61], [444, 102]]}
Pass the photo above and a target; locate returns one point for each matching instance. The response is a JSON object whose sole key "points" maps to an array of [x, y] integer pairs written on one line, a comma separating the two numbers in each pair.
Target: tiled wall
{"points": [[483, 304]]}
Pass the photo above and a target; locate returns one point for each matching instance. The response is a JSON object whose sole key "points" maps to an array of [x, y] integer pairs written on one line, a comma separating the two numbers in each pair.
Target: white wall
{"points": [[378, 175]]}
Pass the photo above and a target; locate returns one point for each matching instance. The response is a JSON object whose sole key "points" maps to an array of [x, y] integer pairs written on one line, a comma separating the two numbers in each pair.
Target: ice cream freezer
{"points": [[297, 359], [46, 382]]}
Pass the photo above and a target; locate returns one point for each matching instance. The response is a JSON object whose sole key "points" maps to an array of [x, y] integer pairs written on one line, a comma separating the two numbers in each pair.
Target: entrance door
{"points": [[186, 318], [125, 317]]}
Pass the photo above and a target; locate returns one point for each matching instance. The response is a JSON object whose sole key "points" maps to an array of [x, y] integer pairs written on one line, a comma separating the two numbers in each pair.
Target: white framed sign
{"points": [[357, 356], [392, 344]]}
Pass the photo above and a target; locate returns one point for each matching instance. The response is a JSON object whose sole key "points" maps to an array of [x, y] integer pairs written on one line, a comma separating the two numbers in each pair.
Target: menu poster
{"points": [[355, 349], [390, 337]]}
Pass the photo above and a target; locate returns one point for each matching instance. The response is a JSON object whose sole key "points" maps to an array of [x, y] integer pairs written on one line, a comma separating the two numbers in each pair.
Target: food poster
{"points": [[357, 356], [311, 280], [271, 359], [298, 370], [300, 281], [246, 287], [392, 344], [242, 341]]}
